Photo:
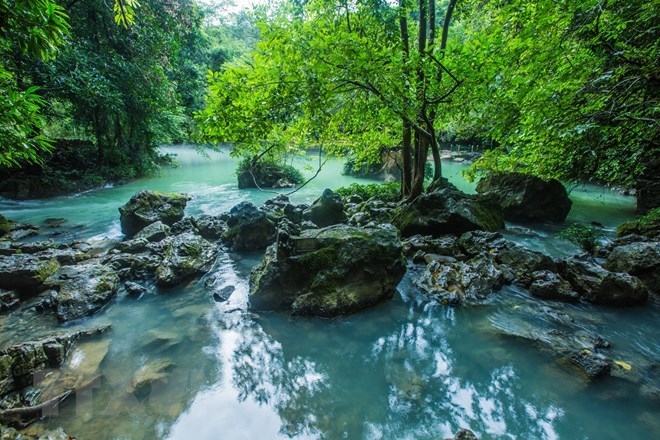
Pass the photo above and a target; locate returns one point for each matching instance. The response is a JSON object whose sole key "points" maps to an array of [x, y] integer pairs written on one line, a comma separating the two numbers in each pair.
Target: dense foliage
{"points": [[559, 89], [122, 77], [566, 89], [352, 77], [387, 192]]}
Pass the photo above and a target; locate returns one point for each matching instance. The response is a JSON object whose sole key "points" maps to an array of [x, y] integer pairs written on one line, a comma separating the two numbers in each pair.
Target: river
{"points": [[407, 369]]}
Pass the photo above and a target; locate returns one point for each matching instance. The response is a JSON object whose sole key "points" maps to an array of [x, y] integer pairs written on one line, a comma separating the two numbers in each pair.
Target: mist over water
{"points": [[407, 369]]}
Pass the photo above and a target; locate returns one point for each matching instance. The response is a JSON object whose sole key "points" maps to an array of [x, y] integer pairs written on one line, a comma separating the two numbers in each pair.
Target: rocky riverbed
{"points": [[447, 241]]}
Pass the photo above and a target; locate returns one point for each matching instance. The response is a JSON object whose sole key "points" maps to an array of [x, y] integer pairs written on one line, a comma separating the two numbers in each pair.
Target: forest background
{"points": [[90, 89]]}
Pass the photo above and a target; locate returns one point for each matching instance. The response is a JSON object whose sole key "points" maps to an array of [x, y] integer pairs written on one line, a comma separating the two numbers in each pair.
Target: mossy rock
{"points": [[648, 225], [147, 207], [349, 269]]}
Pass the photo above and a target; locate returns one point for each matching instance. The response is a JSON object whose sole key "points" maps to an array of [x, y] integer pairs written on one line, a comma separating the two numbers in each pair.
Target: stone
{"points": [[447, 211], [8, 433], [647, 225], [593, 365], [477, 242], [147, 207], [211, 227], [250, 229], [444, 245], [458, 283], [25, 272], [150, 375], [600, 286], [548, 285], [134, 289], [223, 294], [464, 434], [184, 256], [18, 363], [153, 232], [641, 259], [527, 198], [326, 210], [337, 270], [82, 290], [523, 262]]}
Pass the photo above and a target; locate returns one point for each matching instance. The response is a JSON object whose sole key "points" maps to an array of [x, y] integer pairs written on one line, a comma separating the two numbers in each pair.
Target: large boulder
{"points": [[527, 198], [82, 290], [184, 256], [600, 286], [332, 271], [326, 210], [447, 211], [250, 229], [641, 259], [147, 207]]}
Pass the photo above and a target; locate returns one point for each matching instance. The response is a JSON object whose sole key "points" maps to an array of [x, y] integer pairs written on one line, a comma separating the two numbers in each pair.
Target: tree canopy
{"points": [[559, 89]]}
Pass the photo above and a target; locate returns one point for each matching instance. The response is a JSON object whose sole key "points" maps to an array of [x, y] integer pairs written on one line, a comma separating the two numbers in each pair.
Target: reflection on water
{"points": [[408, 369]]}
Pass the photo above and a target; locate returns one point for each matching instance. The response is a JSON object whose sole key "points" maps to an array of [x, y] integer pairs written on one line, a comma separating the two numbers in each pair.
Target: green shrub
{"points": [[268, 171], [387, 192], [586, 237]]}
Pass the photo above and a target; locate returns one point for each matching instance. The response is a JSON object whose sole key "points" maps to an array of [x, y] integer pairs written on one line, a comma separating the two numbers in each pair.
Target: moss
{"points": [[106, 284], [46, 269], [5, 225], [648, 224], [319, 259]]}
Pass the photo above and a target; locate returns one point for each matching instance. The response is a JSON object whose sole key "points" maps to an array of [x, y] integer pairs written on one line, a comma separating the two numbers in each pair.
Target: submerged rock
{"points": [[147, 207], [527, 198], [82, 290], [448, 211], [464, 434], [8, 433], [149, 376], [342, 270]]}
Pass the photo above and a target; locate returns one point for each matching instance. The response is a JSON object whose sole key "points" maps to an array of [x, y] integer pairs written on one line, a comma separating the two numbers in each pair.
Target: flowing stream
{"points": [[407, 369]]}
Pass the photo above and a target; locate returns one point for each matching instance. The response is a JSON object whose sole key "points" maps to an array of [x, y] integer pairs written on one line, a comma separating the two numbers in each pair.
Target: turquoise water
{"points": [[407, 369]]}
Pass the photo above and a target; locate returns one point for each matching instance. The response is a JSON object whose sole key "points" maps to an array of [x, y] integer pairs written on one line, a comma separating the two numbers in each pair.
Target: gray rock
{"points": [[134, 289], [326, 210], [549, 285], [457, 283], [25, 272], [250, 229], [444, 245], [600, 286], [211, 227], [82, 290], [527, 198], [447, 211], [343, 270], [464, 434], [523, 262], [147, 207], [641, 259], [184, 256], [153, 232]]}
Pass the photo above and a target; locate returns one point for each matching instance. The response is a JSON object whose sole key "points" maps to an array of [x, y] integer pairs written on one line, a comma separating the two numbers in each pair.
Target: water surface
{"points": [[407, 369]]}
